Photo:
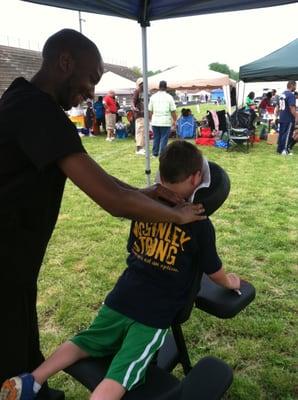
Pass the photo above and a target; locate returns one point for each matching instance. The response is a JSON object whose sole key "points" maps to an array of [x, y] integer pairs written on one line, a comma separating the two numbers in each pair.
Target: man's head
{"points": [[162, 85], [72, 66], [111, 93], [180, 167], [139, 83], [291, 86], [99, 98]]}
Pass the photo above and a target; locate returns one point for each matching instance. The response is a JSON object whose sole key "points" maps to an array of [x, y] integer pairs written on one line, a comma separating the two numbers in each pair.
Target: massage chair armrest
{"points": [[222, 302]]}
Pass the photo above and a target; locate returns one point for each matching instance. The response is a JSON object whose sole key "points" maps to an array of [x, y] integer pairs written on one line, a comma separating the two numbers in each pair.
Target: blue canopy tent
{"points": [[144, 11], [217, 93]]}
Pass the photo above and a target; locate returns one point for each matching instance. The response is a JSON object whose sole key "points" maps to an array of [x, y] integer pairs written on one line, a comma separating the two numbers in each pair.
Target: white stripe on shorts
{"points": [[142, 357], [147, 361]]}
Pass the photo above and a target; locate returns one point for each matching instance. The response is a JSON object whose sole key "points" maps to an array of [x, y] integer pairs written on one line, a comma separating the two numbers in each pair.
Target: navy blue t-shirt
{"points": [[162, 264], [35, 133], [286, 100]]}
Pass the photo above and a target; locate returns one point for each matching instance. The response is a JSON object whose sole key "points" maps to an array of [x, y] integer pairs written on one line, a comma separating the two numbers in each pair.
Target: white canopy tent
{"points": [[112, 81], [190, 78]]}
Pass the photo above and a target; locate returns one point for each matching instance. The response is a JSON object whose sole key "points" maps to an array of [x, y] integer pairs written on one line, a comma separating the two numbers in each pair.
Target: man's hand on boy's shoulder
{"points": [[158, 191], [190, 212]]}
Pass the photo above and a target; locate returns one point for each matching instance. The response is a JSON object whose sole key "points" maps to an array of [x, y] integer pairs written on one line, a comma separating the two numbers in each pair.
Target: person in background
{"points": [[100, 114], [120, 129], [132, 323], [274, 98], [110, 114], [162, 113], [138, 111], [249, 101], [89, 118], [131, 122], [35, 161], [266, 102], [250, 107], [287, 119]]}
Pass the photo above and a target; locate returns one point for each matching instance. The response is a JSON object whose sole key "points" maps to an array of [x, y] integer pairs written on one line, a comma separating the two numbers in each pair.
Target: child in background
{"points": [[89, 117], [120, 129], [162, 262]]}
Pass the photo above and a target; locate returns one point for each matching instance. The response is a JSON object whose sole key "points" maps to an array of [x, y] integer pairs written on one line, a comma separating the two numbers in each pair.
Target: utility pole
{"points": [[80, 21]]}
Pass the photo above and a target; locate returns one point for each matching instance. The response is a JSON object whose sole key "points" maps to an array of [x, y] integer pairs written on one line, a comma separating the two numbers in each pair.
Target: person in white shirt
{"points": [[162, 114]]}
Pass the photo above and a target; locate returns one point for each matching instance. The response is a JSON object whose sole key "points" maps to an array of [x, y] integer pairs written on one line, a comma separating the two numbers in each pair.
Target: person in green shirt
{"points": [[249, 101]]}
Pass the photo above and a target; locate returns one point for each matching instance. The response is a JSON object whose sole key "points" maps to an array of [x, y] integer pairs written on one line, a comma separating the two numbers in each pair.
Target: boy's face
{"points": [[191, 183], [197, 178]]}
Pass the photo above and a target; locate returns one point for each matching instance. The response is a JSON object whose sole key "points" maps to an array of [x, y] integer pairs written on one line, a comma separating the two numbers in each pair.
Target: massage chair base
{"points": [[208, 380]]}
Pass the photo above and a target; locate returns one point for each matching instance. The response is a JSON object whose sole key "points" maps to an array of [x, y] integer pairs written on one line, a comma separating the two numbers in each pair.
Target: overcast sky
{"points": [[234, 38]]}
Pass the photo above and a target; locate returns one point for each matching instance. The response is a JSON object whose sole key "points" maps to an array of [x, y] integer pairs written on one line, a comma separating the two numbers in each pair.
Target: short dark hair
{"points": [[67, 40], [162, 85], [179, 160]]}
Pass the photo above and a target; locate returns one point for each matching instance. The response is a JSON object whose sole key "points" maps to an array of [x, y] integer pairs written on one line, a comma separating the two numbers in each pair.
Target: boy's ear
{"points": [[196, 178]]}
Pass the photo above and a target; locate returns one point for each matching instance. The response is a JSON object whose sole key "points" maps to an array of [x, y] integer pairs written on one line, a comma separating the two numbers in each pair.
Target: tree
{"points": [[224, 69], [137, 71]]}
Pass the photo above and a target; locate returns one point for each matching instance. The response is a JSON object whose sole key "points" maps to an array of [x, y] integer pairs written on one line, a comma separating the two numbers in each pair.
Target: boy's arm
{"points": [[230, 280]]}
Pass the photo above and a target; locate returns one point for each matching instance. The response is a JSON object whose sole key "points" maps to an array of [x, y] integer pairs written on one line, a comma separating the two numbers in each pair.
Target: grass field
{"points": [[257, 237]]}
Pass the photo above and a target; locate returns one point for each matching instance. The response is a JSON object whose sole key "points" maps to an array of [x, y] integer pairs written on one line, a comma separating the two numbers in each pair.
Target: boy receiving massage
{"points": [[133, 321]]}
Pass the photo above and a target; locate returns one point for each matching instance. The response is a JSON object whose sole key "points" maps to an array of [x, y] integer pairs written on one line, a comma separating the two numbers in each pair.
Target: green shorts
{"points": [[132, 344]]}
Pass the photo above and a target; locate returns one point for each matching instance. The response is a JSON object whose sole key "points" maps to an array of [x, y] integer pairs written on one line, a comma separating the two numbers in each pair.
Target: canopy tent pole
{"points": [[226, 89], [146, 113]]}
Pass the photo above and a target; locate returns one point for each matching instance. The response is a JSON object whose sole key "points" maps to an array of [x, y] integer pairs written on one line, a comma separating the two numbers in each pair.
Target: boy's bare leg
{"points": [[66, 354], [108, 389]]}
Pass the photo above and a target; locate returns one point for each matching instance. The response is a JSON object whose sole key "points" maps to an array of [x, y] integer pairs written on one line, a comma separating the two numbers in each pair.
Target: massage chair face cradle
{"points": [[210, 378]]}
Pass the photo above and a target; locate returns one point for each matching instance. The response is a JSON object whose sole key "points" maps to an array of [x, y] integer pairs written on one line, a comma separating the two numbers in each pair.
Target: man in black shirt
{"points": [[34, 164]]}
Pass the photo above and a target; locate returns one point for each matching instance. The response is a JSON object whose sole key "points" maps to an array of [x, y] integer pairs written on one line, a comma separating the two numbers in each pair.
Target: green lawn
{"points": [[257, 233], [199, 111]]}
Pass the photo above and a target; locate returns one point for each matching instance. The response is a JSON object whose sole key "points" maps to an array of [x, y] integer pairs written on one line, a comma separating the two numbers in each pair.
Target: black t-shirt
{"points": [[162, 265], [34, 133]]}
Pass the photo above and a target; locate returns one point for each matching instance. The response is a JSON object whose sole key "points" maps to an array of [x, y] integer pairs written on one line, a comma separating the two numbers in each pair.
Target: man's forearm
{"points": [[119, 199], [123, 184]]}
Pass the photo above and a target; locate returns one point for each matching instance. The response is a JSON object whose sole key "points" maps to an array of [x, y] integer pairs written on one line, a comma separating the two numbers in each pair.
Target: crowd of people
{"points": [[281, 110], [103, 117]]}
